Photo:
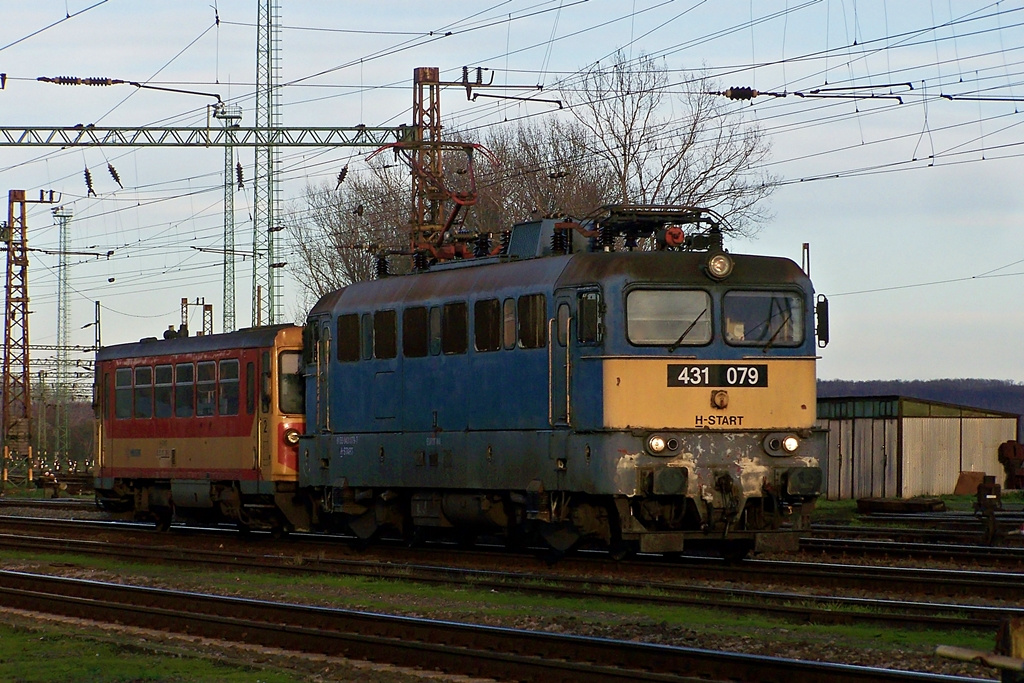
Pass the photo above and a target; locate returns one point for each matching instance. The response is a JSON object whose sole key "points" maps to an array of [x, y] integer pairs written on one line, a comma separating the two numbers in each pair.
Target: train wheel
{"points": [[364, 526], [561, 536], [163, 520], [736, 551]]}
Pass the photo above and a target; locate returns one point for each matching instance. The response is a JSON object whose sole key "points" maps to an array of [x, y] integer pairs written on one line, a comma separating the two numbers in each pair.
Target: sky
{"points": [[909, 200]]}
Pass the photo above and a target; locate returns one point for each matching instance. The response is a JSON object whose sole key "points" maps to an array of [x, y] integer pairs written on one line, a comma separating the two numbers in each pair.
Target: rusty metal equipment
{"points": [[17, 399], [1011, 455], [989, 499]]}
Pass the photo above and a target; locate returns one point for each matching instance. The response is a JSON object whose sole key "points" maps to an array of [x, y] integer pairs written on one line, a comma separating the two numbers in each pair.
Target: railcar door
{"points": [[559, 340]]}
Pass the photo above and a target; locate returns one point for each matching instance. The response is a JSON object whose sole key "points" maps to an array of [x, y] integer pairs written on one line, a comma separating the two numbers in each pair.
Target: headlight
{"points": [[656, 444], [291, 436], [790, 444], [719, 266]]}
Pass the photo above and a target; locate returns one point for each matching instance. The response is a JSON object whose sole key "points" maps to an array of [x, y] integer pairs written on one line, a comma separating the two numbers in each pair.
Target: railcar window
{"points": [[385, 340], [250, 388], [487, 325], [763, 318], [508, 323], [668, 317], [366, 330], [143, 392], [414, 332], [533, 319], [228, 387], [184, 390], [291, 387], [164, 391], [435, 331], [348, 338], [265, 387], [206, 388], [589, 317], [123, 393], [454, 328]]}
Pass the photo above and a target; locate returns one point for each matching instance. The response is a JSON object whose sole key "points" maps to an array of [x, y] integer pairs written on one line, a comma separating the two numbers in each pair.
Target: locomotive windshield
{"points": [[291, 389], [763, 318], [668, 317]]}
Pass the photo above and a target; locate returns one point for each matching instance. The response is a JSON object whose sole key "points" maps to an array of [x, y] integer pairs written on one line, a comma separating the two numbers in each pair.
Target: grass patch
{"points": [[45, 653]]}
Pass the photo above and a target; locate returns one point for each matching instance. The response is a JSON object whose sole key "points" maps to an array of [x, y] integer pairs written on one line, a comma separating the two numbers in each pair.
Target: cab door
{"points": [[559, 351], [323, 378]]}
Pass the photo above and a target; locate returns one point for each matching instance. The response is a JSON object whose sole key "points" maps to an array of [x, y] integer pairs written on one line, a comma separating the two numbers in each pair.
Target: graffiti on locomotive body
{"points": [[698, 375]]}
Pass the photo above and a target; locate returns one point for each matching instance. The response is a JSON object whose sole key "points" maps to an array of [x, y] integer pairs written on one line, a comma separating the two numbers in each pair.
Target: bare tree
{"points": [[701, 155], [344, 226], [542, 170]]}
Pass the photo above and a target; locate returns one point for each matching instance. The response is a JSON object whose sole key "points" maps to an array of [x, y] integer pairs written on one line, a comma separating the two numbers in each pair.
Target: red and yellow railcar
{"points": [[203, 428]]}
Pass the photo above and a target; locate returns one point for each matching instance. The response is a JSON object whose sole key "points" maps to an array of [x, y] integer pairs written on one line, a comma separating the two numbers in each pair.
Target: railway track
{"points": [[800, 607], [452, 647]]}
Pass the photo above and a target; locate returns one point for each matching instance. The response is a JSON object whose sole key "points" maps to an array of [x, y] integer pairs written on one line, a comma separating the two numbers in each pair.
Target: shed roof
{"points": [[841, 407]]}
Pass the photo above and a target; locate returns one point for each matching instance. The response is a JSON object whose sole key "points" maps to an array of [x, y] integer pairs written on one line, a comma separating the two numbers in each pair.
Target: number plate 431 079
{"points": [[696, 375]]}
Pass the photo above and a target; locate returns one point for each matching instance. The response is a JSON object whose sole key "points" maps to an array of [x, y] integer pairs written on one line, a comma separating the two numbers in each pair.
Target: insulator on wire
{"points": [[738, 93], [88, 184], [341, 176], [113, 174], [238, 175]]}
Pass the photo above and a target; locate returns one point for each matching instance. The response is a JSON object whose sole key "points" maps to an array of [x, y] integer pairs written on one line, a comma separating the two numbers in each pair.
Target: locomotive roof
{"points": [[252, 337], [552, 272]]}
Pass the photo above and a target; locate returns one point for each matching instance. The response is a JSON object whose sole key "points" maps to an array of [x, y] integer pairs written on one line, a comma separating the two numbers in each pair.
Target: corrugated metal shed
{"points": [[900, 447]]}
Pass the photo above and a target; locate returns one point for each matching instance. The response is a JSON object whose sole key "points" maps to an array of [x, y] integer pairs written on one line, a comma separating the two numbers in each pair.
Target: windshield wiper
{"points": [[782, 325], [687, 331]]}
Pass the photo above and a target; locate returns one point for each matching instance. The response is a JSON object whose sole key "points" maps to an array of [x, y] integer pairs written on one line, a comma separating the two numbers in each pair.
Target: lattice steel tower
{"points": [[266, 289], [229, 115], [63, 388]]}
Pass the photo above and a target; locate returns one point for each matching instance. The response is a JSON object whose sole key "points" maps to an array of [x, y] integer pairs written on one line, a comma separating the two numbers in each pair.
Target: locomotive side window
{"points": [[348, 338], [588, 317], [414, 332], [668, 317], [229, 387], [454, 328], [385, 341], [164, 391], [487, 325], [533, 328], [143, 392], [562, 324], [206, 388], [291, 387], [508, 323], [763, 318], [184, 389], [123, 393], [435, 331], [366, 336]]}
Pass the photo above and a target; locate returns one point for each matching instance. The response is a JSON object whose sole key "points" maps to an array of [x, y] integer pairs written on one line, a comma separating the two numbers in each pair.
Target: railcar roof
{"points": [[679, 268], [253, 337]]}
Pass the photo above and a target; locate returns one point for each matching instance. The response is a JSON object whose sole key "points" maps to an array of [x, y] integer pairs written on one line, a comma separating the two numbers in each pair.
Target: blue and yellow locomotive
{"points": [[573, 386]]}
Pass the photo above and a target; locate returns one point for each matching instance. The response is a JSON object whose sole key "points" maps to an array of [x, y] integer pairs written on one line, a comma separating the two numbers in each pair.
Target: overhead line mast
{"points": [[266, 280]]}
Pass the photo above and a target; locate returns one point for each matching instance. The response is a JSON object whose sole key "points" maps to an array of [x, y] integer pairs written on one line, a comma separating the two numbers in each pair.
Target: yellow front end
{"points": [[647, 393]]}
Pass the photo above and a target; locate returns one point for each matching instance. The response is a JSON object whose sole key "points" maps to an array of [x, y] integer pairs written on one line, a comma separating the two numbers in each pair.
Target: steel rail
{"points": [[466, 649], [795, 606]]}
